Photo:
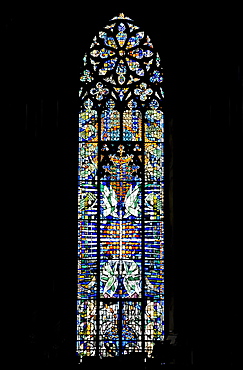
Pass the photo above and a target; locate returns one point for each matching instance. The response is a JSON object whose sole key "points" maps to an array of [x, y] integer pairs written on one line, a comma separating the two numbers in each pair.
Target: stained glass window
{"points": [[120, 306]]}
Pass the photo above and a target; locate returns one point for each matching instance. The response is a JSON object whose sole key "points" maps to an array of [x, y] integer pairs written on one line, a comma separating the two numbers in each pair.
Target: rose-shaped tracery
{"points": [[123, 54]]}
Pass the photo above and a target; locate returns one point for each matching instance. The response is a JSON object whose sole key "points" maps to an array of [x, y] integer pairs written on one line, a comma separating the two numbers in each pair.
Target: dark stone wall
{"points": [[42, 50]]}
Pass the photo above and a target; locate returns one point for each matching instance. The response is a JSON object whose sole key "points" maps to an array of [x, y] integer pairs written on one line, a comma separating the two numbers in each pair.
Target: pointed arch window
{"points": [[120, 306]]}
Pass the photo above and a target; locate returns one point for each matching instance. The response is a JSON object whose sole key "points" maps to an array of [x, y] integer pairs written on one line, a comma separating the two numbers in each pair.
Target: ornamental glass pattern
{"points": [[120, 305]]}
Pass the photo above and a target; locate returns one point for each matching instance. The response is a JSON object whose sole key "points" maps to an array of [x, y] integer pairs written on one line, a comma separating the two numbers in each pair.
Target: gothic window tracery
{"points": [[120, 194]]}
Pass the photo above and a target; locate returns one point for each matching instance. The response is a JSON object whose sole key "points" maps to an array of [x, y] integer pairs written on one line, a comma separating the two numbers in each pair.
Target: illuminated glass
{"points": [[120, 306]]}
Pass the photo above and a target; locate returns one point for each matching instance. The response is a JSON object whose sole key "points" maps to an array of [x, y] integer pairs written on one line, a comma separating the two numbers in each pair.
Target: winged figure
{"points": [[132, 278], [110, 201], [109, 277], [131, 202]]}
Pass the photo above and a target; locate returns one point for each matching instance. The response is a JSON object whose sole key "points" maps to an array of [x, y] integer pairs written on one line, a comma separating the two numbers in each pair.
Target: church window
{"points": [[120, 304]]}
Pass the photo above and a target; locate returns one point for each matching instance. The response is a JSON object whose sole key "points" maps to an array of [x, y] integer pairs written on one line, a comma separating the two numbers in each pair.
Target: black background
{"points": [[42, 48]]}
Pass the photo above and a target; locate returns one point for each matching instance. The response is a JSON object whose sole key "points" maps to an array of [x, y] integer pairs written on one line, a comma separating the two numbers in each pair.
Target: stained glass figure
{"points": [[132, 123], [120, 304], [154, 129], [88, 122], [110, 122]]}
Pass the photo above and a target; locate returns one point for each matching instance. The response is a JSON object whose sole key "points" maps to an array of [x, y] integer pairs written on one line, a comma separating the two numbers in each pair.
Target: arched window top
{"points": [[121, 63]]}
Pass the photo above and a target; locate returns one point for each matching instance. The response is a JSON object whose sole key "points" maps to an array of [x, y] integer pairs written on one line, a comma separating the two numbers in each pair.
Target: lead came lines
{"points": [[121, 79]]}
